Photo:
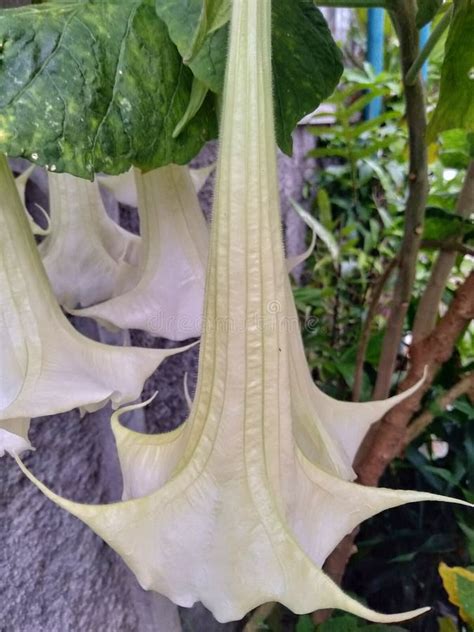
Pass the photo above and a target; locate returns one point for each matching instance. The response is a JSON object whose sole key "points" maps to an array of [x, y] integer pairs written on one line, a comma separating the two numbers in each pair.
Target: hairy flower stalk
{"points": [[46, 366], [88, 257], [167, 298], [242, 503]]}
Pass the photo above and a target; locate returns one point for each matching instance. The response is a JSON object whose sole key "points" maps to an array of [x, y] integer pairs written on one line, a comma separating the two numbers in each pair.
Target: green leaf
{"points": [[455, 108], [446, 624], [346, 623], [442, 225], [456, 149], [324, 207], [323, 233], [198, 95], [466, 594], [427, 9], [305, 624], [191, 22], [459, 584], [72, 92], [381, 627], [71, 89], [307, 64]]}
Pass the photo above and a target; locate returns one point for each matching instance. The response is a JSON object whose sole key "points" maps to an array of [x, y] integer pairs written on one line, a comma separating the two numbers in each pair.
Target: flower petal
{"points": [[86, 255], [14, 437], [46, 365], [21, 182], [230, 561], [167, 300]]}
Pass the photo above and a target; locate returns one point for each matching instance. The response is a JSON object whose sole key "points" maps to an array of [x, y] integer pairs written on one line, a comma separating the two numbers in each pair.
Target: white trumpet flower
{"points": [[46, 366], [167, 299], [88, 257], [242, 503]]}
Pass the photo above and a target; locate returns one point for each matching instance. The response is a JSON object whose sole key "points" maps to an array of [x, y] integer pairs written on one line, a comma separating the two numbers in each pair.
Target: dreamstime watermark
{"points": [[271, 319]]}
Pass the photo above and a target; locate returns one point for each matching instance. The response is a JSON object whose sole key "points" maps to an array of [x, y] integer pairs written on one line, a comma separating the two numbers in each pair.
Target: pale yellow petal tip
{"points": [[115, 419], [64, 503], [401, 616]]}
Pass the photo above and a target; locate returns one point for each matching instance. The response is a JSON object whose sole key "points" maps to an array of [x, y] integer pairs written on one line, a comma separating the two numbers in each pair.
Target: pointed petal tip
{"points": [[376, 617], [14, 446], [115, 419]]}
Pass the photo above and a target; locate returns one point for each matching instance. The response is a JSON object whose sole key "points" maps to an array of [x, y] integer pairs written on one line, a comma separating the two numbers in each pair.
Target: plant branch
{"points": [[403, 17], [367, 327], [447, 246], [387, 439], [433, 39], [420, 423], [427, 311]]}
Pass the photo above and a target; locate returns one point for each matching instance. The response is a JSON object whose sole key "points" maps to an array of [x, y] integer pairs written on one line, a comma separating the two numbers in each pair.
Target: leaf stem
{"points": [[427, 311], [433, 39], [367, 327]]}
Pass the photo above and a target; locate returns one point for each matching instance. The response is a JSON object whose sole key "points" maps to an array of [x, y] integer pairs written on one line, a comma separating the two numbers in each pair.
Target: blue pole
{"points": [[375, 54], [424, 35]]}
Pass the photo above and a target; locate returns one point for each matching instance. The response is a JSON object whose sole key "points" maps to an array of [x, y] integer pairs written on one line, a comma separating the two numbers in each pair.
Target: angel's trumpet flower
{"points": [[242, 504], [88, 257], [21, 182], [46, 366], [167, 300]]}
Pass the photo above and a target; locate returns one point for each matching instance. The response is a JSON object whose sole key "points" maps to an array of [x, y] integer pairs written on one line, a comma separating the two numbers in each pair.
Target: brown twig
{"points": [[420, 423], [367, 327], [403, 16], [427, 311], [447, 246], [388, 438]]}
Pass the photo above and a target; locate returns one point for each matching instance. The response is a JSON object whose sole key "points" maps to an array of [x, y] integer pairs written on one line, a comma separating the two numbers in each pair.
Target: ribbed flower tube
{"points": [[242, 504]]}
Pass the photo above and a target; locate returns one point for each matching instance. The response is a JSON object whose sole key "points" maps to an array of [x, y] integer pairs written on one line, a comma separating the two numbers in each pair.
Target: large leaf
{"points": [[427, 9], [99, 85], [95, 85], [306, 61], [455, 108]]}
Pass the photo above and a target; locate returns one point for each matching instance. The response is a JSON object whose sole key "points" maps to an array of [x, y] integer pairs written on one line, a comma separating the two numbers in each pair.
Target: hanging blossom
{"points": [[88, 257], [46, 366], [242, 504], [167, 298], [124, 189]]}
